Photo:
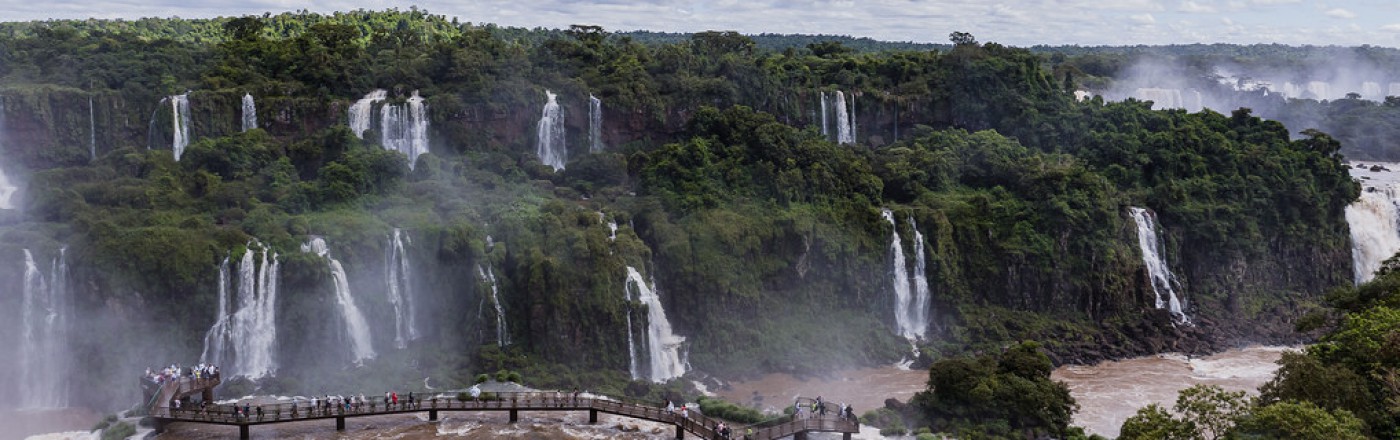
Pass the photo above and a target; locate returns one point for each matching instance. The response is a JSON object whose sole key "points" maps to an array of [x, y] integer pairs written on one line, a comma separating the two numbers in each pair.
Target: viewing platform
{"points": [[512, 402]]}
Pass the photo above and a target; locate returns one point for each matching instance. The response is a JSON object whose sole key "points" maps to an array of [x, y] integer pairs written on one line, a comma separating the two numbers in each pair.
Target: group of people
{"points": [[818, 408], [176, 371]]}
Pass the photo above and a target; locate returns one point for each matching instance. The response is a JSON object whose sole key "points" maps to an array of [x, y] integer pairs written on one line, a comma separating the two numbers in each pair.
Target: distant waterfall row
{"points": [[911, 294], [665, 358], [402, 128], [7, 189], [243, 341], [44, 353], [1164, 283], [834, 109]]}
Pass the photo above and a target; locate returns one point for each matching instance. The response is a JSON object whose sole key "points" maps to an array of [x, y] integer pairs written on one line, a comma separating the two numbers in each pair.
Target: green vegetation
{"points": [[1009, 395], [1207, 412], [724, 410], [119, 431]]}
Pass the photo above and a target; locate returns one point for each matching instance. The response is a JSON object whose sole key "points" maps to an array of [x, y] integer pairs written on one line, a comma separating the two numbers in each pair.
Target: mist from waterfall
{"points": [[1164, 283], [399, 277], [44, 352], [664, 354], [550, 134], [356, 326], [250, 112], [488, 276]]}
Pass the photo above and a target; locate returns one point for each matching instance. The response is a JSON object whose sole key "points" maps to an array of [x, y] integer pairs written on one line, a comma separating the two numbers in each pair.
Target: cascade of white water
{"points": [[92, 131], [361, 112], [1163, 281], [1319, 90], [1372, 90], [919, 313], [216, 339], [254, 324], [550, 134], [595, 124], [899, 278], [180, 117], [845, 133], [7, 189], [250, 113], [399, 276], [405, 128], [663, 345], [826, 131], [1374, 220], [356, 327], [488, 276], [44, 343]]}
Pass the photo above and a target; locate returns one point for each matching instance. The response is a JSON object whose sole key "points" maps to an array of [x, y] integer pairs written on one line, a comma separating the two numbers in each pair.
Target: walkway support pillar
{"points": [[432, 415], [680, 431], [799, 435], [514, 416], [846, 436], [243, 432], [339, 423], [592, 416]]}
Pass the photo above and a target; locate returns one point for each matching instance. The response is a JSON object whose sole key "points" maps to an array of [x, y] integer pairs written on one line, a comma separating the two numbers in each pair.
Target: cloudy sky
{"points": [[1016, 22]]}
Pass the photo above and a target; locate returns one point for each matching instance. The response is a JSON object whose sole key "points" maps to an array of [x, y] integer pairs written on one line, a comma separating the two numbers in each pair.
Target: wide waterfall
{"points": [[595, 124], [7, 189], [404, 128], [180, 117], [92, 131], [399, 276], [1374, 220], [243, 341], [663, 346], [910, 318], [502, 330], [44, 354], [361, 112], [250, 113], [550, 133], [1163, 281], [845, 129], [356, 327]]}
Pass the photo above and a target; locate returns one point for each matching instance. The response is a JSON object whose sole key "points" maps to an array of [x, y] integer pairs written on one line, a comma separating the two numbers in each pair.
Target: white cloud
{"points": [[1393, 27], [1143, 18], [1341, 13], [1192, 6]]}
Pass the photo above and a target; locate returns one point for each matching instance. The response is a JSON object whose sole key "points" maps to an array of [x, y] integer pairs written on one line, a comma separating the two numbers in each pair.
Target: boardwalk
{"points": [[514, 403]]}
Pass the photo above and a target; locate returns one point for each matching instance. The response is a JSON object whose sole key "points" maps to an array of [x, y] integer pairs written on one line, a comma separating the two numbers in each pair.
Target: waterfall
{"points": [[911, 323], [216, 339], [404, 128], [361, 111], [844, 133], [826, 132], [1163, 282], [502, 330], [835, 103], [1161, 98], [663, 346], [7, 189], [43, 378], [1374, 220], [595, 124], [399, 277], [1320, 90], [919, 314], [550, 132], [250, 113], [180, 117], [356, 327], [92, 131], [1372, 90]]}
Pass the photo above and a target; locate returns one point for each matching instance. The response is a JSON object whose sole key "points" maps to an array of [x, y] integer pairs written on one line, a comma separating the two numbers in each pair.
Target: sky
{"points": [[1013, 22]]}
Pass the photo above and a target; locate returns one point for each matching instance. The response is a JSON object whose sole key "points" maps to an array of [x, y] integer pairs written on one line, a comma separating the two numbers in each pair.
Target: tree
{"points": [[1206, 412], [962, 39], [1299, 421], [1155, 423]]}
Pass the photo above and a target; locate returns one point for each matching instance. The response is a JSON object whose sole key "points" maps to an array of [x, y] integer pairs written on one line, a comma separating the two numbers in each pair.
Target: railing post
{"points": [[514, 415], [243, 432], [680, 431], [340, 423], [432, 414], [592, 416]]}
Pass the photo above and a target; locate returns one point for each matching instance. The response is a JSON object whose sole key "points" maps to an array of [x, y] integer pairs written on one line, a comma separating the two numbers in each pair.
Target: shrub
{"points": [[482, 378], [721, 409], [119, 431]]}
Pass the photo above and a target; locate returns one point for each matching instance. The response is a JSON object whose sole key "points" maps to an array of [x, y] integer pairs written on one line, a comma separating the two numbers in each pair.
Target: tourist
{"points": [[396, 399], [260, 413]]}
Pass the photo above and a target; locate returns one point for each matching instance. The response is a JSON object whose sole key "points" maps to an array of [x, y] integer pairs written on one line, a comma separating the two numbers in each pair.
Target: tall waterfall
{"points": [[250, 113], [1163, 281], [362, 111], [911, 297], [7, 189], [502, 330], [356, 327], [1374, 221], [826, 131], [595, 124], [180, 117], [404, 128], [243, 341], [835, 104], [663, 346], [44, 355], [92, 131], [550, 132], [399, 276], [919, 314]]}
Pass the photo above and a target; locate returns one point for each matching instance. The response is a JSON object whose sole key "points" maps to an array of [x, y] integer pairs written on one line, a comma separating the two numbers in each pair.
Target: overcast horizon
{"points": [[1019, 23]]}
